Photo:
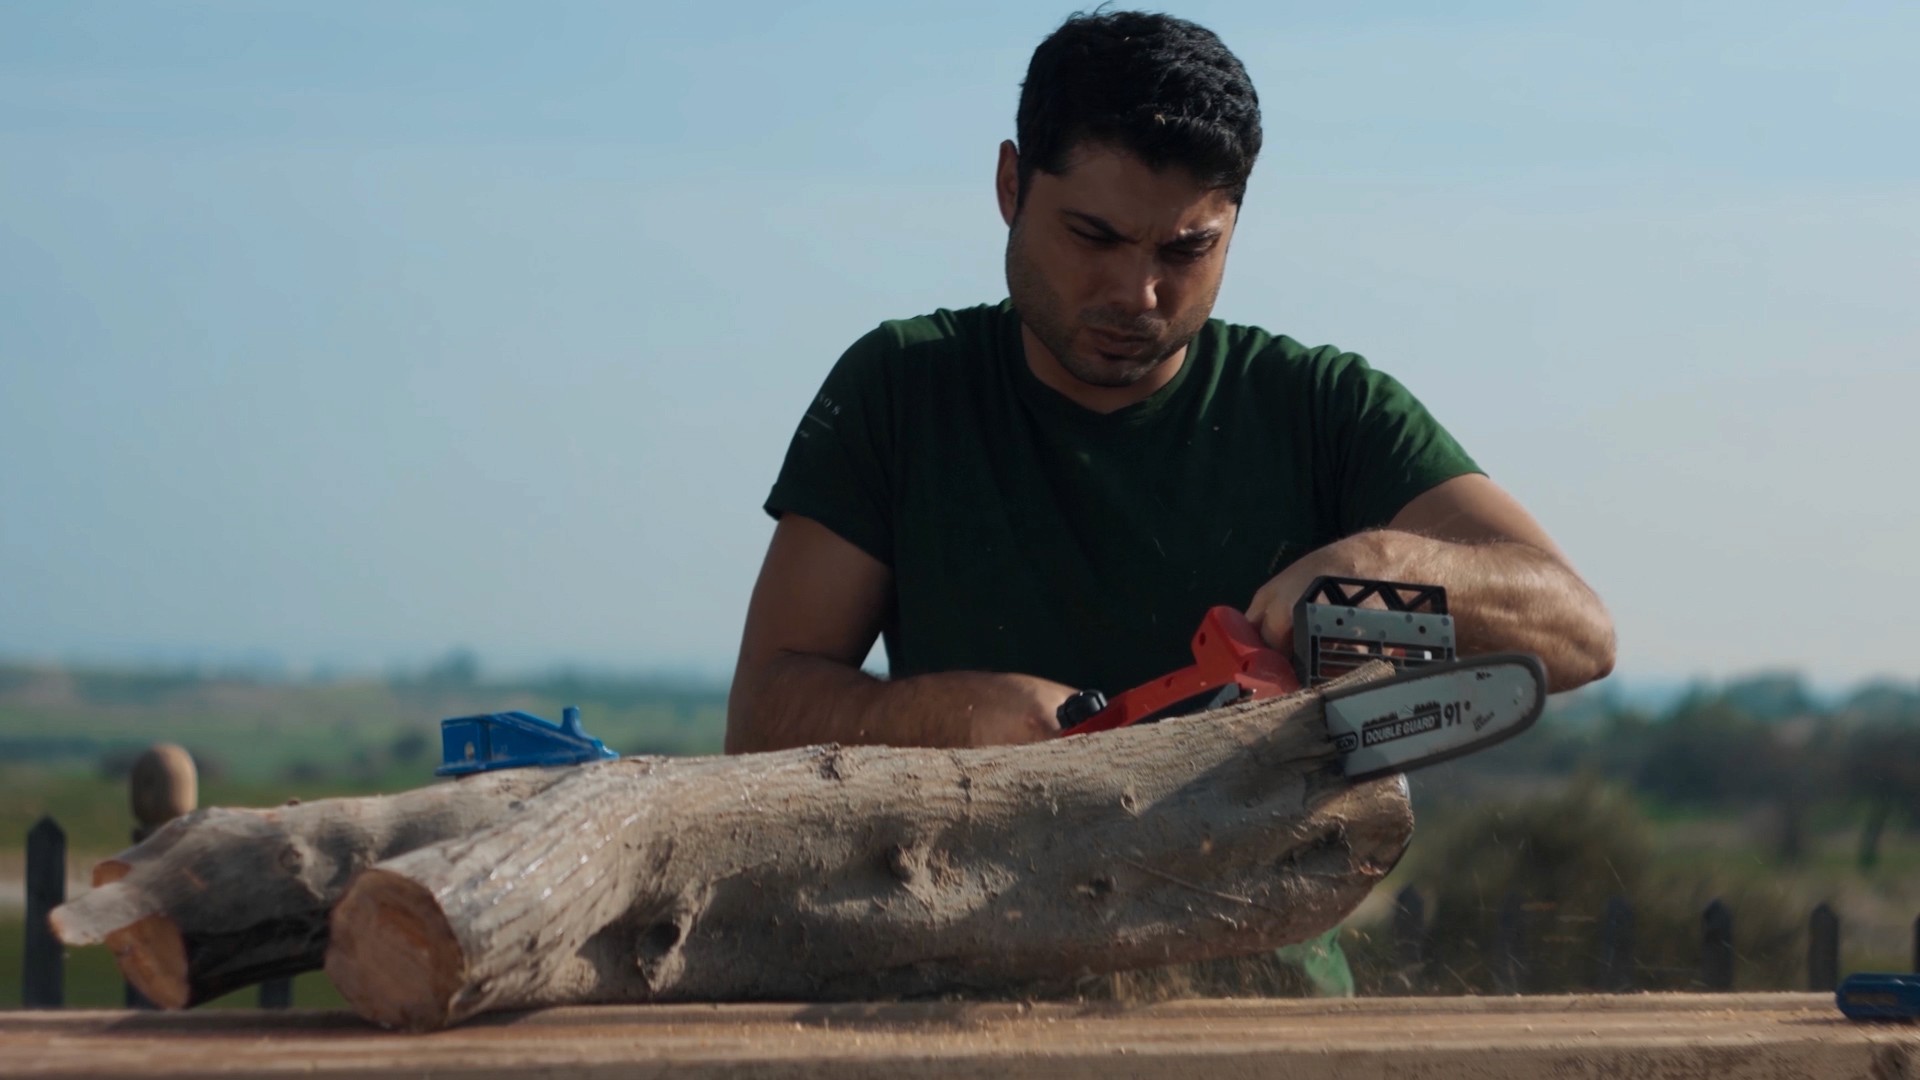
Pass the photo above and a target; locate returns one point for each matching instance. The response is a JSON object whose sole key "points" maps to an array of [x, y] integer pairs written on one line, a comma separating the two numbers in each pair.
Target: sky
{"points": [[338, 335]]}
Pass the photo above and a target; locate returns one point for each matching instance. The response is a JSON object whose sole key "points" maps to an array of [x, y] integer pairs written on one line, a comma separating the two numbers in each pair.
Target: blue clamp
{"points": [[512, 740], [1874, 996]]}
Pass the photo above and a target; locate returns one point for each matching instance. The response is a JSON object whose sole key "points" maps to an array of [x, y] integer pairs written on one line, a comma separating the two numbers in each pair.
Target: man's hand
{"points": [[802, 700], [1005, 709], [1360, 556], [1509, 586], [815, 613]]}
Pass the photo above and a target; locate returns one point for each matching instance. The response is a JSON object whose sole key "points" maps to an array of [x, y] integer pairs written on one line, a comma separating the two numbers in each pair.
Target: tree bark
{"points": [[873, 872], [220, 899]]}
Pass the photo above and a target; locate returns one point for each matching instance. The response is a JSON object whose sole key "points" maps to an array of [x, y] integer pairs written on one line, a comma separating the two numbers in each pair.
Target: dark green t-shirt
{"points": [[1028, 534]]}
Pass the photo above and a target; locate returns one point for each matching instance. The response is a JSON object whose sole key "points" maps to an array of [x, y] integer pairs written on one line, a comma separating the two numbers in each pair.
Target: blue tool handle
{"points": [[1870, 995], [514, 740]]}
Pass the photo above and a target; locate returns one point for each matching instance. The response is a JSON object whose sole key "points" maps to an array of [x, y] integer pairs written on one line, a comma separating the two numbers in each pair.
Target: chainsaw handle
{"points": [[1230, 663]]}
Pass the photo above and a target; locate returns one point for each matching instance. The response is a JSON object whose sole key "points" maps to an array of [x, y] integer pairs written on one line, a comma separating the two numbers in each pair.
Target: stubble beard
{"points": [[1046, 315]]}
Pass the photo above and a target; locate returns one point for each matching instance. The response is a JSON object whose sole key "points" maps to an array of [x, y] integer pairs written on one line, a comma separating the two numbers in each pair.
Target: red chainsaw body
{"points": [[1230, 663]]}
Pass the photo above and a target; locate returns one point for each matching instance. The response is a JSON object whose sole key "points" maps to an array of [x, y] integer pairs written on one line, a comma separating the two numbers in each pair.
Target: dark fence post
{"points": [[1716, 947], [43, 982], [1823, 949], [1409, 937], [1616, 946], [276, 994], [1510, 947]]}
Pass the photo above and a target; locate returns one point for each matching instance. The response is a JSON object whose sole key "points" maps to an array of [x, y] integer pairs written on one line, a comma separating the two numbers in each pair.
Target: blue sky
{"points": [[346, 333]]}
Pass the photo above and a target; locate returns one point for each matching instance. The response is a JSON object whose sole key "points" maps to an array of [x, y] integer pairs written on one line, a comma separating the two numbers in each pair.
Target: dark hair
{"points": [[1161, 88]]}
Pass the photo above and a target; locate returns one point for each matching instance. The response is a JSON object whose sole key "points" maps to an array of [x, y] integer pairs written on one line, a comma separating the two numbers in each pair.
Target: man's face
{"points": [[1112, 265]]}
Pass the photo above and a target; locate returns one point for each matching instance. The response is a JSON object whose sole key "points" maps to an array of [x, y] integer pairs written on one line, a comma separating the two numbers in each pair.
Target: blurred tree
{"points": [[1770, 696], [1882, 769], [116, 762], [459, 668], [210, 767], [408, 747], [1883, 702], [1710, 752]]}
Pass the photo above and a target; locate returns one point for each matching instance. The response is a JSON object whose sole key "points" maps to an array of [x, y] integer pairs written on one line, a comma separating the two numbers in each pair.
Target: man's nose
{"points": [[1135, 286]]}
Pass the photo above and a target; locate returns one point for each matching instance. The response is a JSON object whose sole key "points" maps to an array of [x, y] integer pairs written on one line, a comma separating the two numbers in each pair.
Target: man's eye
{"points": [[1187, 255], [1093, 238]]}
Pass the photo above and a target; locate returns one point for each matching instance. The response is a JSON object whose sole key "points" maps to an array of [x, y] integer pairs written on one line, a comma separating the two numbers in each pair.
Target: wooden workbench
{"points": [[1641, 1036]]}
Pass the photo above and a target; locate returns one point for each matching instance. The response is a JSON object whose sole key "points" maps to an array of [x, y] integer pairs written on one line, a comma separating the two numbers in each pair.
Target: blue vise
{"points": [[512, 740]]}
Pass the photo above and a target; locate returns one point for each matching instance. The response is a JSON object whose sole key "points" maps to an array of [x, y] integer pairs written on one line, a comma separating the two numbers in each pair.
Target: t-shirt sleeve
{"points": [[838, 470], [1384, 448]]}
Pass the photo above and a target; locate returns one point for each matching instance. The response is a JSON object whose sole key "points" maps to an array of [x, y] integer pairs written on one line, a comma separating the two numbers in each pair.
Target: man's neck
{"points": [[1099, 399]]}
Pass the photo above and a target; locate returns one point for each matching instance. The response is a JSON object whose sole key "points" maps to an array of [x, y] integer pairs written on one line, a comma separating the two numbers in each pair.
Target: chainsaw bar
{"points": [[1435, 713]]}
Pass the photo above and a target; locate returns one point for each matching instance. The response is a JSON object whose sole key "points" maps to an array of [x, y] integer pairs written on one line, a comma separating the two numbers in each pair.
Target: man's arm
{"points": [[815, 613], [1509, 586]]}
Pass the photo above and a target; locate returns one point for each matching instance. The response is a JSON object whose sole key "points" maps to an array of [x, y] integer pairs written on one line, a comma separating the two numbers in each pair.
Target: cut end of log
{"points": [[108, 871], [94, 916], [393, 955], [152, 956], [148, 946]]}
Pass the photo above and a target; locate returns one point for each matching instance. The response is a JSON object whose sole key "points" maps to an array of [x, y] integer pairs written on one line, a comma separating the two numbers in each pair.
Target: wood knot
{"points": [[1130, 804], [659, 939], [1099, 888], [907, 862]]}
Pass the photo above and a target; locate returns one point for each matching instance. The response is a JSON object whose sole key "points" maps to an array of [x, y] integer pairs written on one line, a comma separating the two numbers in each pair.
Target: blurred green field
{"points": [[67, 737]]}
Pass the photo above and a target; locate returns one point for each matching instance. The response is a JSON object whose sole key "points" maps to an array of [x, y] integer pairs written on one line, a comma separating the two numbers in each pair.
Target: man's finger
{"points": [[1276, 628], [1257, 610]]}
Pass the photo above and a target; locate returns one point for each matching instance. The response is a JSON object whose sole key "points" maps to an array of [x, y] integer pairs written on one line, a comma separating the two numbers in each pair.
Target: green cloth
{"points": [[1323, 963], [1027, 534]]}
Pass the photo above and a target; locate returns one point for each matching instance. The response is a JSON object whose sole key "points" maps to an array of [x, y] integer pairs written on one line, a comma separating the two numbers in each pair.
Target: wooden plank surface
{"points": [[1647, 1035]]}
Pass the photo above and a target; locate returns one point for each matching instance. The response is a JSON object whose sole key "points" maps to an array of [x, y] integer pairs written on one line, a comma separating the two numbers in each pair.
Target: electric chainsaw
{"points": [[1436, 708]]}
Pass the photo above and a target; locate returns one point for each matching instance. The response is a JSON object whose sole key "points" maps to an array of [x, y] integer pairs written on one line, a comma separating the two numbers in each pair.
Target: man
{"points": [[1047, 494]]}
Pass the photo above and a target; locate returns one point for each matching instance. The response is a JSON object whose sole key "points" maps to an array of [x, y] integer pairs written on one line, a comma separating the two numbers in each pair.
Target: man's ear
{"points": [[1006, 182]]}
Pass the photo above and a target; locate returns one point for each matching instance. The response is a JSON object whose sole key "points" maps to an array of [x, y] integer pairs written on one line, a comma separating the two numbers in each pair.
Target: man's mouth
{"points": [[1118, 346]]}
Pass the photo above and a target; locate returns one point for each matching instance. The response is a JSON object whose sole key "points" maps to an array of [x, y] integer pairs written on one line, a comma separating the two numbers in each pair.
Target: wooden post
{"points": [[1409, 933], [43, 964], [163, 785], [1716, 947], [276, 993], [1616, 946], [1509, 959], [1823, 949]]}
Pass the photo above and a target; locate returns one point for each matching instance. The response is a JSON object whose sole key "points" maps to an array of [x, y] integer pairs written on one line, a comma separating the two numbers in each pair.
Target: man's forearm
{"points": [[799, 700], [1504, 596]]}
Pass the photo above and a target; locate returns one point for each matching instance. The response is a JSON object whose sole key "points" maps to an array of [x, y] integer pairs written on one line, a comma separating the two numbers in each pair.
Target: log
{"points": [[872, 872], [220, 899]]}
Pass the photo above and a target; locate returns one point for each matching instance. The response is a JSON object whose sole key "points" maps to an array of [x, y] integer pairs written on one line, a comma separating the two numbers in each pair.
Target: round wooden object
{"points": [[164, 785]]}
